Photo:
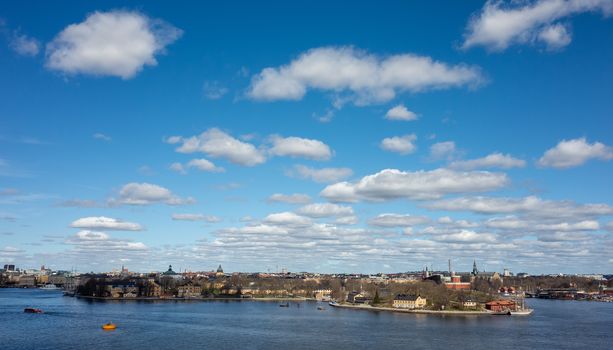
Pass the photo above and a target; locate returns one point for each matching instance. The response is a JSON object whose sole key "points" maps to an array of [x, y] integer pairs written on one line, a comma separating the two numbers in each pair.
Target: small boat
{"points": [[49, 286], [109, 326], [321, 308], [284, 305], [31, 310], [522, 312]]}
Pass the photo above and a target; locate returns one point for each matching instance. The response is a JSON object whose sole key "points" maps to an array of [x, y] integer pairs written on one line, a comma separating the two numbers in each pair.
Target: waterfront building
{"points": [[501, 305], [358, 298], [189, 290], [404, 301], [322, 294], [469, 304]]}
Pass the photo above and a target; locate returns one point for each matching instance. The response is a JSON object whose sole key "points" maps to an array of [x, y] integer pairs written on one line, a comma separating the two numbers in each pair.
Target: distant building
{"points": [[357, 298], [469, 304], [219, 272], [457, 284], [27, 281], [8, 267], [522, 274], [170, 273], [189, 290], [323, 294], [501, 305], [404, 301]]}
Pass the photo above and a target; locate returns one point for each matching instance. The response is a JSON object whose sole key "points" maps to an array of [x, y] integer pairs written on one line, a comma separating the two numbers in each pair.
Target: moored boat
{"points": [[31, 310]]}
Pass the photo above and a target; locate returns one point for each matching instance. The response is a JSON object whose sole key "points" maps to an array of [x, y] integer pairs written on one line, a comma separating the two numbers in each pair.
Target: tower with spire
{"points": [[475, 271]]}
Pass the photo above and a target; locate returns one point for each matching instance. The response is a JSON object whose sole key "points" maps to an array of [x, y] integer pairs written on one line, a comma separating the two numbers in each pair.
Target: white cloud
{"points": [[367, 77], [196, 217], [87, 235], [400, 112], [555, 36], [287, 219], [24, 45], [145, 193], [443, 150], [399, 144], [105, 223], [323, 175], [531, 205], [502, 24], [391, 184], [466, 236], [205, 165], [494, 160], [101, 136], [115, 43], [572, 153], [324, 210], [296, 198], [218, 144], [299, 147], [397, 220]]}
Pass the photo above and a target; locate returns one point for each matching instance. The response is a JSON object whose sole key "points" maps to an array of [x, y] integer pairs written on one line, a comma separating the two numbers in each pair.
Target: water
{"points": [[70, 323]]}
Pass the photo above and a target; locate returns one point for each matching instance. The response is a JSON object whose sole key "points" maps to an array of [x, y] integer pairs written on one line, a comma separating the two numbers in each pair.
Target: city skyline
{"points": [[357, 139]]}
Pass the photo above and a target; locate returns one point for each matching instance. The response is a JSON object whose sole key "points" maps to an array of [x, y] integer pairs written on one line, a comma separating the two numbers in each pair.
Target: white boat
{"points": [[521, 312], [50, 286]]}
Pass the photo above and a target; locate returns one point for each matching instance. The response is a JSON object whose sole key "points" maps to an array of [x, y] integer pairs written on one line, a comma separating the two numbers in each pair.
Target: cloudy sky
{"points": [[341, 137]]}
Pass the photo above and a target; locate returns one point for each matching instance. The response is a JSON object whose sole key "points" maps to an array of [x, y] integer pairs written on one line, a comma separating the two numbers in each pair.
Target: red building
{"points": [[457, 284], [501, 305]]}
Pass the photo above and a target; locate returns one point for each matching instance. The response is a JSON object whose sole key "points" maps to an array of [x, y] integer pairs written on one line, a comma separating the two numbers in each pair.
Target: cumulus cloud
{"points": [[443, 150], [400, 112], [367, 77], [501, 24], [295, 198], [105, 223], [466, 236], [400, 144], [196, 217], [115, 43], [398, 220], [145, 193], [530, 205], [287, 219], [299, 147], [322, 175], [572, 153], [87, 235], [24, 45], [324, 210], [494, 160], [392, 184], [218, 144], [517, 223], [204, 165]]}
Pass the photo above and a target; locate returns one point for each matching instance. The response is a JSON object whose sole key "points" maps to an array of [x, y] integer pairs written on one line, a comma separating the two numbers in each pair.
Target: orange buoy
{"points": [[109, 326]]}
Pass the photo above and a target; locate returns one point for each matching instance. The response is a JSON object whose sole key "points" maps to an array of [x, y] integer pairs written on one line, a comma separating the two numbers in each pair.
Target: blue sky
{"points": [[157, 134]]}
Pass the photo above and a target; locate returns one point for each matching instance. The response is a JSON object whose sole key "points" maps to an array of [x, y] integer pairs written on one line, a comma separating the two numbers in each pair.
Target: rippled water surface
{"points": [[70, 323]]}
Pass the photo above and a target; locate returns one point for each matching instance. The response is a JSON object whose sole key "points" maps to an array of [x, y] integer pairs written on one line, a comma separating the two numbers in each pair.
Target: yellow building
{"points": [[404, 301], [189, 290]]}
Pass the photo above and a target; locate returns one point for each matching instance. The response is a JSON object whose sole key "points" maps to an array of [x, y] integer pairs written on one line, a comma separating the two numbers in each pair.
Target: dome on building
{"points": [[219, 269], [170, 272]]}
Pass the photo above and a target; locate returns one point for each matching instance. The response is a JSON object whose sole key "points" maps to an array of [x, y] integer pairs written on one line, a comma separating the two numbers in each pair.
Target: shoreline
{"points": [[415, 311], [192, 299]]}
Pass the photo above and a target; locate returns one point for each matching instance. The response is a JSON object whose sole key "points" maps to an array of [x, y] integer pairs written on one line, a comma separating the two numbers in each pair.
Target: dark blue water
{"points": [[70, 323]]}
